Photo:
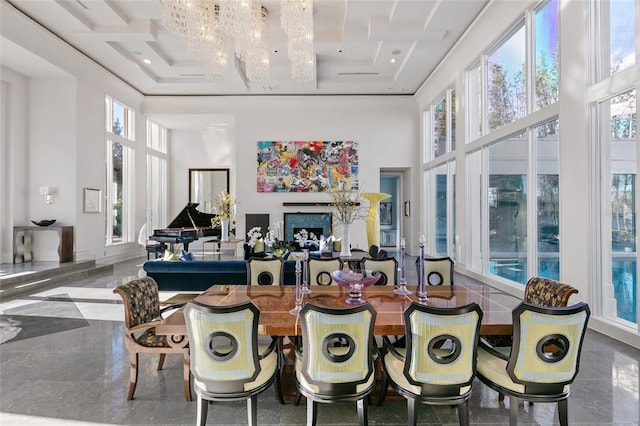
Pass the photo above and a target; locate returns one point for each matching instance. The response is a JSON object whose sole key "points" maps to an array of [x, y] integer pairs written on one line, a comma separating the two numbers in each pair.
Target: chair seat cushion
{"points": [[394, 367], [268, 366], [495, 369], [311, 388], [151, 340]]}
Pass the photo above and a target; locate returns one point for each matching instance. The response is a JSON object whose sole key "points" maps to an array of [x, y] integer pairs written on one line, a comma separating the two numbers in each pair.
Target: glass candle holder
{"points": [[402, 290], [296, 309], [422, 293]]}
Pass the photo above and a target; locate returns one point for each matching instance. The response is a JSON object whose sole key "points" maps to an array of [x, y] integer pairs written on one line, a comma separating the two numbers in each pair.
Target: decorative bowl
{"points": [[44, 222], [355, 281]]}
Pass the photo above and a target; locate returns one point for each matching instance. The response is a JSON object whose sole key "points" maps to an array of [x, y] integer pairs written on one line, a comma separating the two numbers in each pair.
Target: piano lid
{"points": [[189, 217]]}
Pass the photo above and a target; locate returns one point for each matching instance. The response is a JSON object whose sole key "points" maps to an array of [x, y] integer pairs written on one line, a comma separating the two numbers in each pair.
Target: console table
{"points": [[23, 249], [234, 242]]}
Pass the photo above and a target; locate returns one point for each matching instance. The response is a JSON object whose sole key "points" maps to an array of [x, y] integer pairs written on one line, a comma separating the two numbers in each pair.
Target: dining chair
{"points": [[538, 291], [142, 313], [388, 269], [264, 271], [226, 361], [335, 361], [356, 265], [437, 271], [439, 363], [544, 359], [320, 269]]}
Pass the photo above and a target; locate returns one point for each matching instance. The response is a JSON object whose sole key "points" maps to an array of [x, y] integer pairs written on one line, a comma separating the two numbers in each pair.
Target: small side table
{"points": [[220, 243], [23, 249]]}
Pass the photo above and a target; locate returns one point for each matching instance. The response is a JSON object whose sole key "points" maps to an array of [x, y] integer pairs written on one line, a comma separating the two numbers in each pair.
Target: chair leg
{"points": [[133, 374], [161, 361], [563, 412], [252, 410], [463, 413], [296, 402], [203, 407], [186, 376], [513, 411], [412, 414], [312, 412], [500, 396], [384, 383], [362, 413], [278, 381]]}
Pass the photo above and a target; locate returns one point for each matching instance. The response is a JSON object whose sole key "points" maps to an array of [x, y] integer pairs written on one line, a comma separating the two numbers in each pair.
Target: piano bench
{"points": [[156, 249]]}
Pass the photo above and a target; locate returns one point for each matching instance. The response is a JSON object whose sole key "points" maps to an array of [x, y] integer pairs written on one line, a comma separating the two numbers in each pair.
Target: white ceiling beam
{"points": [[140, 30]]}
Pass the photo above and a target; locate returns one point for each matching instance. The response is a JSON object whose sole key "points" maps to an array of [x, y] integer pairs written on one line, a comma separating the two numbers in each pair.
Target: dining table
{"points": [[275, 303]]}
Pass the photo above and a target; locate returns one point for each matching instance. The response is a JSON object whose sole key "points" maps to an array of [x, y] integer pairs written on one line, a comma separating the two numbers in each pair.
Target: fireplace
{"points": [[318, 223]]}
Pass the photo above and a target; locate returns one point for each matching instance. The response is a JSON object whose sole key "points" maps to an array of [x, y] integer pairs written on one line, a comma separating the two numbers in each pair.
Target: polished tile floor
{"points": [[63, 362]]}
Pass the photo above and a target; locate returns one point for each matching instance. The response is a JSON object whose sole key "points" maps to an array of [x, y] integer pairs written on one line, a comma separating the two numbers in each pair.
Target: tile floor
{"points": [[63, 362]]}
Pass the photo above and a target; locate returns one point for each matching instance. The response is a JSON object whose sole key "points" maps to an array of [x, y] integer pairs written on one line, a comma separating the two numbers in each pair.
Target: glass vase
{"points": [[345, 248]]}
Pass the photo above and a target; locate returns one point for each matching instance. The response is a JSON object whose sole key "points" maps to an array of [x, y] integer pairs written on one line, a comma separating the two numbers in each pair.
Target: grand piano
{"points": [[188, 226]]}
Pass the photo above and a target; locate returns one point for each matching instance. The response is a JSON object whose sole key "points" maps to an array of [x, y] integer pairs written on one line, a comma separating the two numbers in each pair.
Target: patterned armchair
{"points": [[335, 362], [439, 363], [544, 358], [226, 361], [141, 314], [546, 292]]}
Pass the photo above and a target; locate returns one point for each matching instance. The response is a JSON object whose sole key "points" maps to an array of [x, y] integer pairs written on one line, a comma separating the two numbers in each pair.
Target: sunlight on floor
{"points": [[20, 420]]}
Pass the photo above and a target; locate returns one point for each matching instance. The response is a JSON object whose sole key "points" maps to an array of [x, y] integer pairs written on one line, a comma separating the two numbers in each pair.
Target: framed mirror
{"points": [[204, 184]]}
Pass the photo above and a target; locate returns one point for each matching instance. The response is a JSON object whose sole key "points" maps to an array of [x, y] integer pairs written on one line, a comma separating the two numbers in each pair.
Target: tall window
{"points": [[513, 182], [547, 199], [506, 80], [156, 175], [440, 208], [546, 54], [507, 199], [617, 29], [443, 125], [119, 171], [619, 138]]}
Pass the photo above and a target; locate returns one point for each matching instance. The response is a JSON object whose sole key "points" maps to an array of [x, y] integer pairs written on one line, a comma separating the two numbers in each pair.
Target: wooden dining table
{"points": [[275, 302]]}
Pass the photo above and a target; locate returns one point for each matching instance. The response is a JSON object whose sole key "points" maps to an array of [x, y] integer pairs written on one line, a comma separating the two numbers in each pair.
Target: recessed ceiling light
{"points": [[340, 50], [136, 52], [396, 52], [394, 60], [147, 61]]}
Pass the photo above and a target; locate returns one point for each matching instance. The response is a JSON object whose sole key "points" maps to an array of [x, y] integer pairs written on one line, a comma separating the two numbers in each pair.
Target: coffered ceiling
{"points": [[362, 46]]}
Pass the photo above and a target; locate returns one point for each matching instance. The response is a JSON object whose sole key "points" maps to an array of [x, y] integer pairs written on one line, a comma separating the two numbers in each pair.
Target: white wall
{"points": [[66, 113], [386, 128], [13, 170]]}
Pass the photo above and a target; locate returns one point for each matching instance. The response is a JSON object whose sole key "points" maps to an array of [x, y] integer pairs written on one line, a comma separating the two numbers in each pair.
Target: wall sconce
{"points": [[48, 192]]}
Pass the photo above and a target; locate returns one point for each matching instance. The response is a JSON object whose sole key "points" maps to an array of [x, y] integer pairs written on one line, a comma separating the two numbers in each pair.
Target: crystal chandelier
{"points": [[208, 26], [297, 22]]}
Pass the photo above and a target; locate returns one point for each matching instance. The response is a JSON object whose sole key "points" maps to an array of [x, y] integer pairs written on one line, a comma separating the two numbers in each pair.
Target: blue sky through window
{"points": [[622, 33]]}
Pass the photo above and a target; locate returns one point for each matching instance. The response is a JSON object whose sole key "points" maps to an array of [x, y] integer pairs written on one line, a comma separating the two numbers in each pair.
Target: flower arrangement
{"points": [[253, 235], [223, 207], [346, 205], [277, 247], [303, 235]]}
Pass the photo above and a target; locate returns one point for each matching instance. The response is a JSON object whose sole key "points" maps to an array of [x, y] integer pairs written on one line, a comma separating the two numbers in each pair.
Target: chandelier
{"points": [[209, 27]]}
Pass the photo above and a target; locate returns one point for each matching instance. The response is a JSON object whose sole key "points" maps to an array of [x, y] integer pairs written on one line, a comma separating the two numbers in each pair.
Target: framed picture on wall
{"points": [[92, 200], [385, 212]]}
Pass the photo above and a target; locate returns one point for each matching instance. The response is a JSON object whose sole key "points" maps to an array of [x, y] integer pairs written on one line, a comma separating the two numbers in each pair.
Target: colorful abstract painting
{"points": [[307, 166]]}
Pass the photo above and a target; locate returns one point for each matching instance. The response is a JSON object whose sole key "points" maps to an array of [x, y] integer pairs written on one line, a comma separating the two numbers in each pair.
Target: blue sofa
{"points": [[198, 275]]}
